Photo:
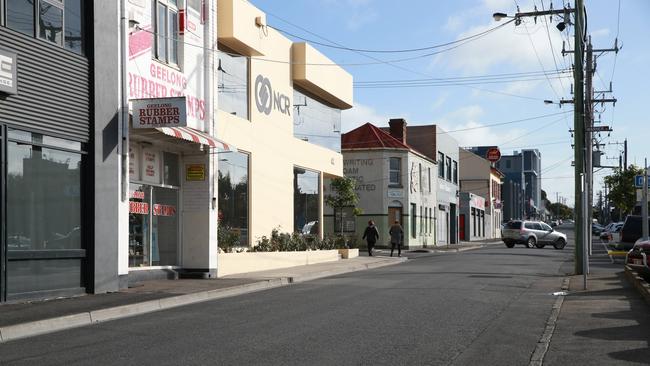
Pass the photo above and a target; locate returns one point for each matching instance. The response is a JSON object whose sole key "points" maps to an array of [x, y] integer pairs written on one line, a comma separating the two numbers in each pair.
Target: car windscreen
{"points": [[515, 225]]}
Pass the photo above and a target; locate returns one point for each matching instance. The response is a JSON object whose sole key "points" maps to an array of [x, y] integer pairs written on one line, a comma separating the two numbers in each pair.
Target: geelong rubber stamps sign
{"points": [[159, 112]]}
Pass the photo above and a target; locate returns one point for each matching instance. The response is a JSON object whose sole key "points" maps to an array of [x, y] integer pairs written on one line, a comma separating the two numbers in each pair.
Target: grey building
{"points": [[522, 191], [48, 118], [436, 144]]}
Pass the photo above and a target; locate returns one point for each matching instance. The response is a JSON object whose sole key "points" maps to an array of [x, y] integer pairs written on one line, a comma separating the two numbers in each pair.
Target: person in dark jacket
{"points": [[396, 238], [371, 234]]}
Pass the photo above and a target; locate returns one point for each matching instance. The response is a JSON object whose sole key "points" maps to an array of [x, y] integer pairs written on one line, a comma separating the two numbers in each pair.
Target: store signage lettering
{"points": [[164, 112], [138, 208], [8, 76], [266, 100], [195, 172], [137, 195], [163, 83], [164, 210]]}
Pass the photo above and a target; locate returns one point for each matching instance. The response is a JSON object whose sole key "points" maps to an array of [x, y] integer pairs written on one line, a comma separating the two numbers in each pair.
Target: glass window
{"points": [[448, 166], [161, 32], [508, 164], [57, 21], [441, 165], [232, 84], [50, 22], [420, 178], [43, 215], [73, 29], [316, 122], [421, 219], [20, 16], [344, 220], [414, 212], [173, 41], [43, 198], [166, 30], [171, 169], [233, 198], [306, 199], [455, 172], [395, 171]]}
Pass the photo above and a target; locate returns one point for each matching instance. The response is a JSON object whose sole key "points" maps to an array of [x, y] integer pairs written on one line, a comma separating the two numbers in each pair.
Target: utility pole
{"points": [[589, 143], [625, 154], [644, 202], [579, 139]]}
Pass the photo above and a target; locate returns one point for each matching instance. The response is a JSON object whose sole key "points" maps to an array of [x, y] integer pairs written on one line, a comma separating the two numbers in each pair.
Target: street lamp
{"points": [[498, 16]]}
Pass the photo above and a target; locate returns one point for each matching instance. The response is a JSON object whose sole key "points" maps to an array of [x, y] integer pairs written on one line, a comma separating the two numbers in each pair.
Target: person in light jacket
{"points": [[396, 238], [371, 234]]}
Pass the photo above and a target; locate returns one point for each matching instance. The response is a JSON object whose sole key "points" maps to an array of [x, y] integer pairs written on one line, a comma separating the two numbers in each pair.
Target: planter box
{"points": [[348, 253], [234, 263]]}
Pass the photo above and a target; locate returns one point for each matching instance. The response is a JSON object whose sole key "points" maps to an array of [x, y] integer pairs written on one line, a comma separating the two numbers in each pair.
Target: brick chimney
{"points": [[397, 128]]}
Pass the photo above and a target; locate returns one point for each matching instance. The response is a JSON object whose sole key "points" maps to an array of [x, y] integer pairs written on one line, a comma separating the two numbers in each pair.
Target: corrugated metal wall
{"points": [[53, 88]]}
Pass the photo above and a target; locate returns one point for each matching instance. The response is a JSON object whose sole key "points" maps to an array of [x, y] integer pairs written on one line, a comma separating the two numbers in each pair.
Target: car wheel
{"points": [[559, 244], [510, 244], [530, 242], [539, 245]]}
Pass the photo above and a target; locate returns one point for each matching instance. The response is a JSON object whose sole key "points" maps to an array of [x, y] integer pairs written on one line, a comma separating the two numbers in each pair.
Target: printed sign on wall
{"points": [[134, 162], [8, 76], [195, 172], [150, 165]]}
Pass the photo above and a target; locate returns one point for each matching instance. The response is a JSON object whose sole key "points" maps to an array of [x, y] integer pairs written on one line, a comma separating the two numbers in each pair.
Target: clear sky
{"points": [[525, 50]]}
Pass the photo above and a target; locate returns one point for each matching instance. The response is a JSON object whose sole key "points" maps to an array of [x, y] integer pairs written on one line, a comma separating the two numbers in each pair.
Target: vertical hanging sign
{"points": [[8, 75]]}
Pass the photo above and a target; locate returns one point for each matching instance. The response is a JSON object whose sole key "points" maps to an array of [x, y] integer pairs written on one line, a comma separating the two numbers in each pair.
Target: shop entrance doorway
{"points": [[153, 226]]}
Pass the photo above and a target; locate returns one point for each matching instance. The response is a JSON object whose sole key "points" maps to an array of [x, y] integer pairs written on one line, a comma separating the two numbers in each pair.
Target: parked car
{"points": [[610, 230], [629, 233], [532, 234], [596, 229], [638, 257]]}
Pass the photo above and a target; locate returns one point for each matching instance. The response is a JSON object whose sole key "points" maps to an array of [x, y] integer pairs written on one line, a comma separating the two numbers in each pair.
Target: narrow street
{"points": [[486, 306]]}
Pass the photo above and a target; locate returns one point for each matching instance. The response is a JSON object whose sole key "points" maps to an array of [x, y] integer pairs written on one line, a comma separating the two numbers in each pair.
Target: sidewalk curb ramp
{"points": [[639, 283], [39, 327]]}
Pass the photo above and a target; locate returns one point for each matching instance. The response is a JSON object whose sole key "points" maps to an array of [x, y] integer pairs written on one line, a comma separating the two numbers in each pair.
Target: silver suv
{"points": [[532, 234]]}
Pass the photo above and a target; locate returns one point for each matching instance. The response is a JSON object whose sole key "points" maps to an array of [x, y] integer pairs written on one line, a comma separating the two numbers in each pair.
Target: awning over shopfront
{"points": [[192, 135]]}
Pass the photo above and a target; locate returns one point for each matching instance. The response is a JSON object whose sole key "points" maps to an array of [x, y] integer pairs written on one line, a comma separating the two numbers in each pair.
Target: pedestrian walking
{"points": [[371, 234], [396, 238]]}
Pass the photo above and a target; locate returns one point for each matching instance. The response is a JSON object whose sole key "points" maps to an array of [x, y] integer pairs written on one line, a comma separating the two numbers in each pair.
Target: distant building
{"points": [[522, 191], [394, 182], [478, 176]]}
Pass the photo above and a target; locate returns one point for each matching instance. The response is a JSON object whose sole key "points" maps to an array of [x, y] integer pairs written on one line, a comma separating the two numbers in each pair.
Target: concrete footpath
{"points": [[23, 320], [606, 324]]}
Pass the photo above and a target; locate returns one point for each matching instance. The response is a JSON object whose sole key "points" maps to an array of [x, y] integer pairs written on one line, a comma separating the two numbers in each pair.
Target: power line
{"points": [[476, 35]]}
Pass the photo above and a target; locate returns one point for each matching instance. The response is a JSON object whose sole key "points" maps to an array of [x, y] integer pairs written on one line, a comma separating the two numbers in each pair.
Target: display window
{"points": [[153, 208]]}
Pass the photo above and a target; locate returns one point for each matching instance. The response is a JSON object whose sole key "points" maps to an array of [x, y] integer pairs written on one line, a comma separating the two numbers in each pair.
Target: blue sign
{"points": [[638, 181]]}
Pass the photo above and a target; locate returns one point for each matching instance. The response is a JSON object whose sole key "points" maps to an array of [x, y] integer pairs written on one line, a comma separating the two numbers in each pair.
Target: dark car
{"points": [[630, 232]]}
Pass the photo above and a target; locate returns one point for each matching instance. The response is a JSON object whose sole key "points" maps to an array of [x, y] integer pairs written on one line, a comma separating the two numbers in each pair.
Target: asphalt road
{"points": [[481, 307]]}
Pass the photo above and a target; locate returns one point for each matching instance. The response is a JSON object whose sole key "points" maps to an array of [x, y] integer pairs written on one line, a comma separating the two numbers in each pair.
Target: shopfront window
{"points": [[153, 207], [233, 197], [306, 201], [316, 122], [44, 221], [232, 84]]}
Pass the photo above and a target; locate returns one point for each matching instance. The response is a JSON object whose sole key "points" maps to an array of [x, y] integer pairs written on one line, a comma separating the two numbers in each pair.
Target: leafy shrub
{"points": [[286, 242]]}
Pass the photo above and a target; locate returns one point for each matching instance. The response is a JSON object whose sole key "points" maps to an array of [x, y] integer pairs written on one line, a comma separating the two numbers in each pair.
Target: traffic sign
{"points": [[638, 181], [493, 154]]}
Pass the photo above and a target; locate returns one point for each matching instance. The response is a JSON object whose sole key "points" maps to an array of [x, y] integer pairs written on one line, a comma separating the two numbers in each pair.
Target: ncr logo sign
{"points": [[267, 100]]}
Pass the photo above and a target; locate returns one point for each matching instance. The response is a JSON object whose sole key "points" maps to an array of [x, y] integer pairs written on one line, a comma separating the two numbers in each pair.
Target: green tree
{"points": [[344, 196], [622, 193]]}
